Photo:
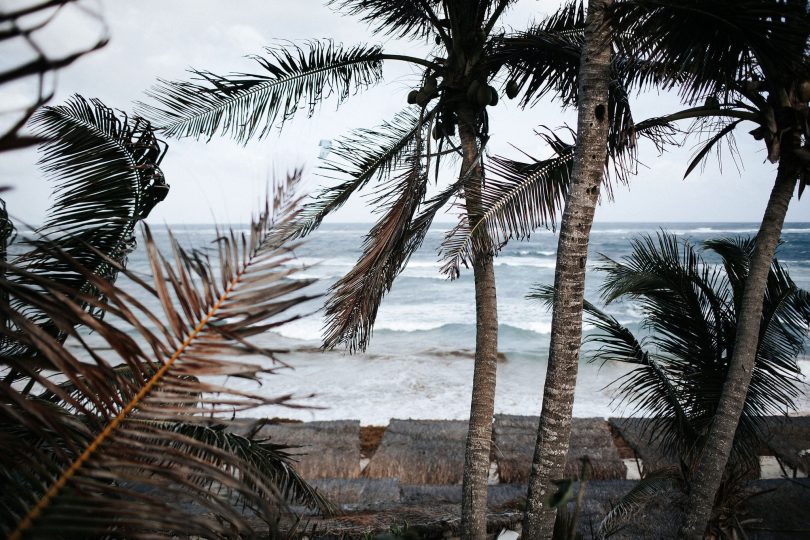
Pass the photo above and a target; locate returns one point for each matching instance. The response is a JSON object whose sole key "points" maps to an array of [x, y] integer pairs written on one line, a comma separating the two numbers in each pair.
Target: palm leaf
{"points": [[106, 170], [243, 105], [690, 315], [273, 461], [520, 197], [117, 450], [362, 156], [394, 18], [649, 387], [648, 489], [515, 194], [545, 59], [715, 44], [355, 298]]}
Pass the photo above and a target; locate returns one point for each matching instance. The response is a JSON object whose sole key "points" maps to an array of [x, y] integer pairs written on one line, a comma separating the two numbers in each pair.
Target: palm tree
{"points": [[718, 54], [734, 53], [97, 447], [451, 107], [690, 315], [569, 277]]}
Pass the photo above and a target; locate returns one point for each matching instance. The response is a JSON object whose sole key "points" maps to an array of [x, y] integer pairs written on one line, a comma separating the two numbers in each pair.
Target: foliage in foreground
{"points": [[682, 349], [117, 439]]}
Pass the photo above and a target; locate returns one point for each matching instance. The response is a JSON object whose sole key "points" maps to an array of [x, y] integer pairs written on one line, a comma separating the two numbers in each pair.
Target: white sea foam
{"points": [[429, 386], [525, 261]]}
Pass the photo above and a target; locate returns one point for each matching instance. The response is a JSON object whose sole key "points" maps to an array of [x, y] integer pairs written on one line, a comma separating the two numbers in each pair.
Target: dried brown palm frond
{"points": [[120, 442]]}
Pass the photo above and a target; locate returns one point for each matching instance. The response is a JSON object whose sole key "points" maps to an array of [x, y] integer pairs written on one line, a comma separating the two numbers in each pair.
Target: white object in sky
{"points": [[326, 147]]}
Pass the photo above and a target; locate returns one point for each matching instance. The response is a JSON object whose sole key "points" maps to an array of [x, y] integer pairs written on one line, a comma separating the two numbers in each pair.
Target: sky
{"points": [[223, 181]]}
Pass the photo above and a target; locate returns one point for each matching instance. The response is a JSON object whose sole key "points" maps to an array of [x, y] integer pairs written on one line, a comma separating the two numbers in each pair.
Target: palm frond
{"points": [[645, 491], [362, 156], [105, 167], [649, 388], [244, 105], [114, 449], [690, 316], [712, 143], [545, 59], [275, 462], [355, 299], [715, 44], [394, 18], [518, 198], [783, 331]]}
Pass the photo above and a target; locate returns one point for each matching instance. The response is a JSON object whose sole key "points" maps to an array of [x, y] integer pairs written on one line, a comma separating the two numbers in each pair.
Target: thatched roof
{"points": [[639, 434], [367, 492], [515, 438], [326, 449], [789, 440], [421, 452]]}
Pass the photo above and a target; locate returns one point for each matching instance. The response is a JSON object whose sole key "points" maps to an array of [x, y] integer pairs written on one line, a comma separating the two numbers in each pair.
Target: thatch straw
{"points": [[421, 452], [516, 436], [327, 449], [368, 492], [640, 436], [789, 440]]}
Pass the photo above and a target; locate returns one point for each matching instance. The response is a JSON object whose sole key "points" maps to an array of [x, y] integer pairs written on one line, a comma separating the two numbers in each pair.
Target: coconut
{"points": [[512, 89]]}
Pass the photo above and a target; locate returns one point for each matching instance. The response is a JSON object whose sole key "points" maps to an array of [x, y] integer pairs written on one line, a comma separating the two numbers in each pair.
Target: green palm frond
{"points": [[545, 59], [355, 298], [275, 462], [244, 105], [715, 44], [105, 167], [690, 318], [520, 197], [108, 441], [362, 156], [648, 489], [667, 276], [783, 331], [515, 194], [395, 18], [648, 388]]}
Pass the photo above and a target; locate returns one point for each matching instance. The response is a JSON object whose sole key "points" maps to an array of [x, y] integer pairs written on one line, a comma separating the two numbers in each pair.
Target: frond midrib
{"points": [[71, 471], [260, 87]]}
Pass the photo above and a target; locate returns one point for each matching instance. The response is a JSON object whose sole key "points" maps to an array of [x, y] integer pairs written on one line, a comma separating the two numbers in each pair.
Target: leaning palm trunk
{"points": [[712, 463], [569, 280], [482, 408]]}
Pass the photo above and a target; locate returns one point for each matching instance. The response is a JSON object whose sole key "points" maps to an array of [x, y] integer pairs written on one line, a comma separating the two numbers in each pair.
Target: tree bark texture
{"points": [[714, 456], [482, 407], [569, 279]]}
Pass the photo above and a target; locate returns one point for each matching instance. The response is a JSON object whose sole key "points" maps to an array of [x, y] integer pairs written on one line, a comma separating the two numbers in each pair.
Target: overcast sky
{"points": [[221, 180]]}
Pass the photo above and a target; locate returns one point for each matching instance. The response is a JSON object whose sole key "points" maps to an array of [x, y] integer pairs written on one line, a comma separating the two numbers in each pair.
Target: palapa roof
{"points": [[328, 449], [421, 452], [515, 439]]}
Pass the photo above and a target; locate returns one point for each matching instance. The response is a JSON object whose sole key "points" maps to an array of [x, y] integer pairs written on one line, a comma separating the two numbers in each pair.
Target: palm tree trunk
{"points": [[482, 408], [712, 462], [569, 279]]}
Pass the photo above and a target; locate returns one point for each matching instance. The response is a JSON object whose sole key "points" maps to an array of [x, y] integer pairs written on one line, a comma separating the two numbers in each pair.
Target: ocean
{"points": [[419, 363]]}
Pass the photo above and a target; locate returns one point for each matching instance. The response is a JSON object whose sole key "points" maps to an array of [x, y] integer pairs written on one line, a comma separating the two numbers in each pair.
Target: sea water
{"points": [[419, 362]]}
